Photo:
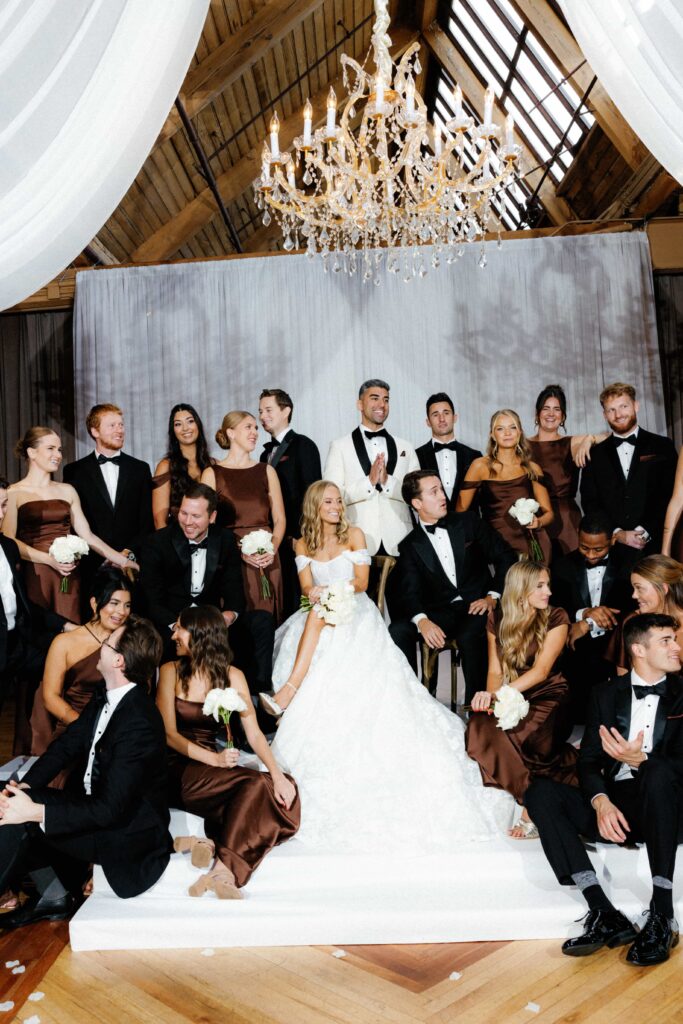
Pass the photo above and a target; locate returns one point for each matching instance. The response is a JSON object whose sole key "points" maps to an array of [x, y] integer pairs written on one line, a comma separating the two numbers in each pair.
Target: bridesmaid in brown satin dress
{"points": [[526, 638], [70, 676], [672, 543], [503, 475], [657, 582], [561, 457], [249, 498], [246, 812], [38, 511], [186, 458]]}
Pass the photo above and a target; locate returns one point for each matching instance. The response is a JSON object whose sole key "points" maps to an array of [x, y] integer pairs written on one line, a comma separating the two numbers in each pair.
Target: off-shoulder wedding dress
{"points": [[380, 764]]}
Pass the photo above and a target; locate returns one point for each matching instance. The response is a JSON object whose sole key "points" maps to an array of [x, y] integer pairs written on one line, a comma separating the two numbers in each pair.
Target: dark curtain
{"points": [[669, 299], [36, 381]]}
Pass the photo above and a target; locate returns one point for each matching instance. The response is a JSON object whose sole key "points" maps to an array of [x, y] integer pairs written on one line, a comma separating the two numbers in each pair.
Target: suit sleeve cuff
{"points": [[594, 798], [416, 619]]}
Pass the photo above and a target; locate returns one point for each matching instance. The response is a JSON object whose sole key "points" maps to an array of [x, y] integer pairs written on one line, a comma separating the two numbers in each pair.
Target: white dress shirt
{"points": [[595, 575], [447, 461], [279, 438], [114, 698], [643, 713], [7, 594], [377, 446], [110, 475], [198, 568]]}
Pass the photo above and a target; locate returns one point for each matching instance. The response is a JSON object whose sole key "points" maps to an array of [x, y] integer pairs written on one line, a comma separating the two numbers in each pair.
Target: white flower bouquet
{"points": [[335, 604], [220, 704], [524, 510], [259, 542], [509, 707], [66, 550]]}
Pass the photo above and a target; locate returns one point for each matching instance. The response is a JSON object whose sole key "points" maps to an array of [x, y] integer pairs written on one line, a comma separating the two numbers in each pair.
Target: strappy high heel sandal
{"points": [[202, 851], [218, 884], [269, 704]]}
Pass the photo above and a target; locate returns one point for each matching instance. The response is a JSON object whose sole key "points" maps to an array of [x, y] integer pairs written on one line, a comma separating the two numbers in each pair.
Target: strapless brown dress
{"points": [[80, 682], [243, 506], [495, 500], [159, 481], [510, 759], [238, 805], [38, 524], [561, 477]]}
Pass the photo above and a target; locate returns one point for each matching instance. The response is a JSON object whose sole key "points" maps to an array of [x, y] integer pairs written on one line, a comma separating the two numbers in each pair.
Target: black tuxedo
{"points": [[651, 800], [296, 460], [123, 824], [427, 589], [639, 500], [465, 456]]}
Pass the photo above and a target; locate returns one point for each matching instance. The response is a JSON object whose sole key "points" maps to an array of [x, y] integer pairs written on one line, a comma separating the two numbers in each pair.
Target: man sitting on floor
{"points": [[630, 772], [120, 817]]}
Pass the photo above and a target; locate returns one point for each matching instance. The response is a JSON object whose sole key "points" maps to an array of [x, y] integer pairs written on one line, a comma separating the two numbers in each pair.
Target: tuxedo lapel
{"points": [[608, 580], [669, 704], [122, 484], [457, 539], [613, 457], [281, 448], [584, 591], [361, 450], [182, 550], [392, 454], [213, 547], [98, 480], [430, 458], [622, 705], [636, 469], [429, 557]]}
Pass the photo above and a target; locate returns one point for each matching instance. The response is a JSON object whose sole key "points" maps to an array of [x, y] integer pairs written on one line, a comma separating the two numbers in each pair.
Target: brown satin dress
{"points": [[510, 759], [159, 481], [495, 500], [241, 814], [243, 506], [561, 477], [38, 524], [80, 682]]}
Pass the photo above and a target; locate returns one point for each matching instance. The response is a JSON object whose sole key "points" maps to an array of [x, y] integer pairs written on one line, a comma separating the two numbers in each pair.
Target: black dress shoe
{"points": [[37, 909], [602, 928], [654, 943]]}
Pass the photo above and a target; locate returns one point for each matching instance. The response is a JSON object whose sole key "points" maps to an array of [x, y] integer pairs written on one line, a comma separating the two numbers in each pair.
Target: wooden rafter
{"points": [[460, 71], [558, 40]]}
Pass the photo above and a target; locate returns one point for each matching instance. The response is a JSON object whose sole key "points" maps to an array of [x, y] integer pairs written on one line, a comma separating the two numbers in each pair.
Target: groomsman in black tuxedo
{"points": [[119, 818], [296, 460], [593, 585], [442, 454], [630, 476], [631, 789], [447, 585], [115, 489]]}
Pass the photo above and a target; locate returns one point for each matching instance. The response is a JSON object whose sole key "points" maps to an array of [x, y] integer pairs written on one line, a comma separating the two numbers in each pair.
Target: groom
{"points": [[631, 778]]}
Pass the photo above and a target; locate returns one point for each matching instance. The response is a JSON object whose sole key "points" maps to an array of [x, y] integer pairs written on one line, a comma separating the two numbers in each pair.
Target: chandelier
{"points": [[393, 185]]}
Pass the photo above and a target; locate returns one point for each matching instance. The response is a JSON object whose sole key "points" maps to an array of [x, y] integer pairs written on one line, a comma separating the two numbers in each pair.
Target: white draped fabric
{"points": [[85, 86], [635, 47], [578, 311]]}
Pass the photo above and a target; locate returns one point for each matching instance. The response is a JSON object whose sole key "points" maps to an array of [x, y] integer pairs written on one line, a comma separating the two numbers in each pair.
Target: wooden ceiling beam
{"points": [[237, 179], [460, 71], [539, 16], [228, 62]]}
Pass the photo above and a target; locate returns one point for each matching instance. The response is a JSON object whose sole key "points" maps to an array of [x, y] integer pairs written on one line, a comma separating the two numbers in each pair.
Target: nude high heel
{"points": [[202, 851], [218, 884], [269, 704]]}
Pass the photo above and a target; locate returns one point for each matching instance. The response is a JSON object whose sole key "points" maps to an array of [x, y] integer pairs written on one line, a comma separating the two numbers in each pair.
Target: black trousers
{"points": [[469, 631], [25, 662], [584, 668], [25, 848], [652, 803]]}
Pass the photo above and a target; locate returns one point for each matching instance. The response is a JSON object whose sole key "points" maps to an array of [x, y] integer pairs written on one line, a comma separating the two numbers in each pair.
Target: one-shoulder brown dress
{"points": [[241, 814], [496, 497], [243, 506], [38, 524], [561, 477], [80, 682], [510, 759]]}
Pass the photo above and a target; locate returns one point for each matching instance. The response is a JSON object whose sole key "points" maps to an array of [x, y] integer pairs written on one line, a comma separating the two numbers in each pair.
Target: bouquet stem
{"points": [[225, 715], [266, 590], [535, 550], [64, 585]]}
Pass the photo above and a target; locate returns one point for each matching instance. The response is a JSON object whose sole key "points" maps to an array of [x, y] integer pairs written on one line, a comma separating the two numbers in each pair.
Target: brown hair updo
{"points": [[30, 440], [230, 421]]}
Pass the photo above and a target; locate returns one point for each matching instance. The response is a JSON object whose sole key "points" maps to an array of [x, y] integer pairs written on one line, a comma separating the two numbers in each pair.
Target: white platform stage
{"points": [[483, 891]]}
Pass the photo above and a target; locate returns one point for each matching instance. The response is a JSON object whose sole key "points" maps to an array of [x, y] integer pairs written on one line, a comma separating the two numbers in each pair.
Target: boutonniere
{"points": [[647, 458], [284, 458], [670, 718]]}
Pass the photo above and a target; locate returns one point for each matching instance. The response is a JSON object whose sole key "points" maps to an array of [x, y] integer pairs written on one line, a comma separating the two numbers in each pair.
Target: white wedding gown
{"points": [[380, 764]]}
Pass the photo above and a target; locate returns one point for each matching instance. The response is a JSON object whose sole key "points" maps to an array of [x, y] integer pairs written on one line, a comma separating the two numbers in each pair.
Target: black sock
{"points": [[662, 900], [596, 899]]}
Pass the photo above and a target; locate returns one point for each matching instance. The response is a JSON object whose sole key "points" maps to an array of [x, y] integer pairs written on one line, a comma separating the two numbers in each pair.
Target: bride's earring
{"points": [[518, 448]]}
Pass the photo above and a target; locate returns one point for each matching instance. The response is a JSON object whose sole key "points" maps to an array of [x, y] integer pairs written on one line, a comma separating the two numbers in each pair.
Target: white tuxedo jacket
{"points": [[383, 516]]}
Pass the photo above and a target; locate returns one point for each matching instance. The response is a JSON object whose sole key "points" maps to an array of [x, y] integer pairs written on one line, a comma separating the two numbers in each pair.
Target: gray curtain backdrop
{"points": [[578, 311]]}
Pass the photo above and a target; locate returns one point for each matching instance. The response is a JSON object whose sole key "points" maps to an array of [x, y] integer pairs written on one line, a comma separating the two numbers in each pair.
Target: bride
{"points": [[380, 764]]}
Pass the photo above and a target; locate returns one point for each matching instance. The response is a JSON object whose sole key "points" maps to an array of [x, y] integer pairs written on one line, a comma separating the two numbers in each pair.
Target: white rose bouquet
{"points": [[335, 604], [220, 704], [259, 542], [66, 550], [524, 510], [509, 707]]}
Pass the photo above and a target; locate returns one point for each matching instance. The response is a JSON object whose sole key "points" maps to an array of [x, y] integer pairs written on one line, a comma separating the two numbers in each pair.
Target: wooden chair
{"points": [[429, 659], [383, 565]]}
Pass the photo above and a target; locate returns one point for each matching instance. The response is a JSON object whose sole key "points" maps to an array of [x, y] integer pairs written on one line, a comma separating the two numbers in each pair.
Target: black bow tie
{"points": [[441, 525], [375, 433], [198, 546], [450, 446], [99, 697], [107, 458], [269, 445], [595, 565], [631, 439], [658, 690]]}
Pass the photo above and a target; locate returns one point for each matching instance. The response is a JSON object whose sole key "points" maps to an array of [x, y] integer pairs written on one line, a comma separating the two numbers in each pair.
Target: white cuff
{"points": [[579, 615], [493, 593], [418, 618]]}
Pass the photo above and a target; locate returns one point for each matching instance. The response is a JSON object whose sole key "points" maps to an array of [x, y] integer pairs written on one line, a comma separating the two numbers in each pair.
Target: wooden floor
{"points": [[467, 983]]}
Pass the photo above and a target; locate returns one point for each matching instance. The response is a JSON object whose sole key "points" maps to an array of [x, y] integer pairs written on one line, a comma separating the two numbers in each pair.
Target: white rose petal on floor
{"points": [[298, 896]]}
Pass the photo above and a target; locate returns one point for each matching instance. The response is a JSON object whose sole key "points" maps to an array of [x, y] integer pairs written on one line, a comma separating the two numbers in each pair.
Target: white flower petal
{"points": [[6, 1007], [208, 952], [35, 997], [12, 963], [18, 970], [35, 1019], [533, 1007], [339, 953], [454, 976]]}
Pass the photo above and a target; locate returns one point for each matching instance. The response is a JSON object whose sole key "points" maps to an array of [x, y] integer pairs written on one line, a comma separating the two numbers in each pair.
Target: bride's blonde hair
{"points": [[521, 624], [311, 524]]}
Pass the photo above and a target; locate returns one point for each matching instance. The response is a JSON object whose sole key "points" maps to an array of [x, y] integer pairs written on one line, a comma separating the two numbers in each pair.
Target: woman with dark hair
{"points": [[246, 812], [526, 639], [70, 675], [186, 458], [561, 457], [501, 477]]}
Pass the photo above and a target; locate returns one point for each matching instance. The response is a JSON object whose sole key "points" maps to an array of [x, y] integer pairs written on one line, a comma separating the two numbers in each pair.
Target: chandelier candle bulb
{"points": [[379, 92], [457, 96], [331, 111], [410, 97], [308, 122], [275, 137], [509, 131], [438, 145], [291, 181], [488, 105]]}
